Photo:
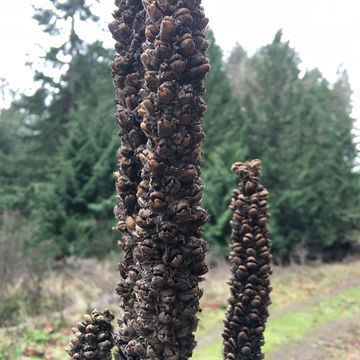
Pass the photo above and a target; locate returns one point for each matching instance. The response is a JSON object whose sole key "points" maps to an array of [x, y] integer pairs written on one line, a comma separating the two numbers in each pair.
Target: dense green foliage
{"points": [[76, 204], [58, 146], [61, 143], [223, 146], [13, 158], [301, 128]]}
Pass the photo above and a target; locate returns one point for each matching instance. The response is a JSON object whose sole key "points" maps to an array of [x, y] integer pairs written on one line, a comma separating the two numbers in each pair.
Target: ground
{"points": [[314, 315]]}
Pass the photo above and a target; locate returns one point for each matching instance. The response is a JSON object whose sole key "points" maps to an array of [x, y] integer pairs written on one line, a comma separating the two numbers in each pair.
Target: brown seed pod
{"points": [[170, 191], [167, 28], [250, 264], [165, 93], [92, 345], [159, 74], [128, 72], [188, 45], [164, 128]]}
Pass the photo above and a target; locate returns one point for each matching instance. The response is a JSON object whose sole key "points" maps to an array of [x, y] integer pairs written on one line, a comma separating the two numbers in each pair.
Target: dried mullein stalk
{"points": [[128, 29], [169, 258], [94, 337], [250, 265], [159, 189]]}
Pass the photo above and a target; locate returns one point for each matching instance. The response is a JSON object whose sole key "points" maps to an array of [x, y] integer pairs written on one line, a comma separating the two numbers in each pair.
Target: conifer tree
{"points": [[217, 191], [238, 70], [271, 104], [70, 135], [13, 158], [323, 189], [76, 208], [220, 148], [222, 106], [51, 105], [301, 129]]}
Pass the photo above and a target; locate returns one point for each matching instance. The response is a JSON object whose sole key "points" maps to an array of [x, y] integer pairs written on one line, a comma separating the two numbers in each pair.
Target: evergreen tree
{"points": [[222, 147], [238, 70], [271, 105], [75, 207], [223, 109], [325, 191], [64, 13], [218, 187], [301, 129], [72, 137], [51, 105], [13, 158]]}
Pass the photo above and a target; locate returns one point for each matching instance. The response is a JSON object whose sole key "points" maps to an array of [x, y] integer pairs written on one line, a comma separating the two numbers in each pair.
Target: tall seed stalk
{"points": [[159, 76], [128, 29], [169, 257], [250, 266], [93, 337]]}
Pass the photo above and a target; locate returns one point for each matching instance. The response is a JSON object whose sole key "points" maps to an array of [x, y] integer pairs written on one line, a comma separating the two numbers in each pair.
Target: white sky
{"points": [[324, 32]]}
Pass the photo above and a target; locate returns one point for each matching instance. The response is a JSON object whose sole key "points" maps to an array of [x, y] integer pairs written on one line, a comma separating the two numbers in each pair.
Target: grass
{"points": [[301, 283], [295, 324], [36, 336], [209, 319], [211, 352], [303, 299]]}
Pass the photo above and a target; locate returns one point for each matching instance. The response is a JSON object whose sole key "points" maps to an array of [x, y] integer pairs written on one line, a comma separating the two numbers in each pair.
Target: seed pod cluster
{"points": [[170, 257], [159, 114], [250, 266], [93, 337], [128, 29]]}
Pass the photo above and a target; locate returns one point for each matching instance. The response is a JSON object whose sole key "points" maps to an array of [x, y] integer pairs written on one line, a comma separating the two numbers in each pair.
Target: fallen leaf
{"points": [[33, 352], [67, 331], [212, 304], [47, 327]]}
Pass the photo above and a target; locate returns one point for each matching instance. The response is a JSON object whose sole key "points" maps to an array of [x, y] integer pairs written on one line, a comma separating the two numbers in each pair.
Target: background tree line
{"points": [[58, 147]]}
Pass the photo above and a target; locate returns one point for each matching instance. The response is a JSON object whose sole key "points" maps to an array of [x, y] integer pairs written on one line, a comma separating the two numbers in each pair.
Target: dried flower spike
{"points": [[128, 29], [169, 256], [159, 82], [93, 337], [250, 266]]}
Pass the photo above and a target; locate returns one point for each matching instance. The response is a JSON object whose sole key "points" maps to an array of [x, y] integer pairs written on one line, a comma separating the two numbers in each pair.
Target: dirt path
{"points": [[339, 288], [334, 340], [214, 335]]}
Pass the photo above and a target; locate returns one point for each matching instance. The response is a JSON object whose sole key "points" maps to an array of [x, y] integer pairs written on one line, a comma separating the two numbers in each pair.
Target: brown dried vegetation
{"points": [[250, 266], [128, 29], [159, 73], [93, 337]]}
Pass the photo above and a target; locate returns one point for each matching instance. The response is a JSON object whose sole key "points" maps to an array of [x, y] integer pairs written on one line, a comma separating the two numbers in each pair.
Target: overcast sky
{"points": [[325, 33]]}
